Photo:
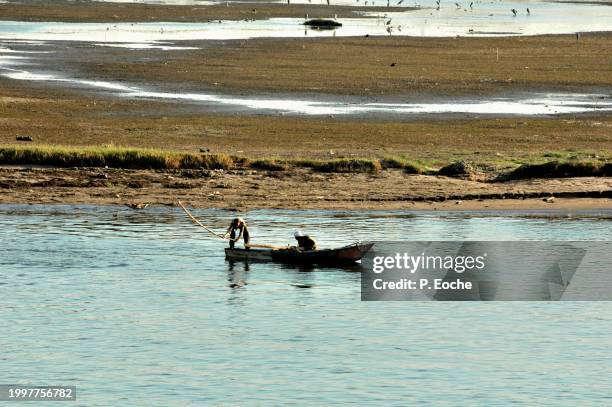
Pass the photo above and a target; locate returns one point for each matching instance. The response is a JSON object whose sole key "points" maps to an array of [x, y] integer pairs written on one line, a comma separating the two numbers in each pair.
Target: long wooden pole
{"points": [[197, 222], [267, 246]]}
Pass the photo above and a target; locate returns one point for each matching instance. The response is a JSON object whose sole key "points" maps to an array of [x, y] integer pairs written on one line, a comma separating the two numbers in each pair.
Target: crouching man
{"points": [[305, 242], [238, 224]]}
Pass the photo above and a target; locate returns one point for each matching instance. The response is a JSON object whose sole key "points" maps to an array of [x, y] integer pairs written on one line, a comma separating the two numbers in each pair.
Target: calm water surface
{"points": [[141, 308]]}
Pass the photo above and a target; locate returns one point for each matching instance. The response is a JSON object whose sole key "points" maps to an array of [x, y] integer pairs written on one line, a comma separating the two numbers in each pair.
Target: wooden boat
{"points": [[343, 255]]}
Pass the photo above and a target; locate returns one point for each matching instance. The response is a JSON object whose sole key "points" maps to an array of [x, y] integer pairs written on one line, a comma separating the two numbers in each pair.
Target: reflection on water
{"points": [[140, 307]]}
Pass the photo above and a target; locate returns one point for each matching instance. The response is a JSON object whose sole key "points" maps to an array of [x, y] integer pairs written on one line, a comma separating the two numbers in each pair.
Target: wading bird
{"points": [[514, 12], [528, 12]]}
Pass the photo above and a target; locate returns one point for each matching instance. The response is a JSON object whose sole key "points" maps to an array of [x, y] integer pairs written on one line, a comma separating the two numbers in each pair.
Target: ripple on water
{"points": [[138, 308]]}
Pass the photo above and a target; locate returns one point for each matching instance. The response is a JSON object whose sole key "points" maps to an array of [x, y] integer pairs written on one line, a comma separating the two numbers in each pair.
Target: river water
{"points": [[141, 308]]}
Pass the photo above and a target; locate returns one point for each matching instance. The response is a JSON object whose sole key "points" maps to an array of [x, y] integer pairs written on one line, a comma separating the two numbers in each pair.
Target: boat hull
{"points": [[343, 255]]}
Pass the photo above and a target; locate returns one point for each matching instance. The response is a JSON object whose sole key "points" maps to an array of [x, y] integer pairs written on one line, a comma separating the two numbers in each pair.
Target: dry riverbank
{"points": [[374, 69], [297, 189]]}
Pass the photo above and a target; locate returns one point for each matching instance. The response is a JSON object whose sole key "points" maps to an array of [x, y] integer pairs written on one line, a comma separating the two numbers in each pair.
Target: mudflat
{"points": [[54, 116], [91, 11], [376, 66], [371, 68], [299, 188]]}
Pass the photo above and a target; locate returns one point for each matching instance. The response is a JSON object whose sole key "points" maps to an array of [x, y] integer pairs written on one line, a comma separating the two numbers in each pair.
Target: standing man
{"points": [[243, 231]]}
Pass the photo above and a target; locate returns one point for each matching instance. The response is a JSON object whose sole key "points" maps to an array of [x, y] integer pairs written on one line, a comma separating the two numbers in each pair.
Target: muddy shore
{"points": [[375, 67], [368, 68], [297, 189], [57, 116]]}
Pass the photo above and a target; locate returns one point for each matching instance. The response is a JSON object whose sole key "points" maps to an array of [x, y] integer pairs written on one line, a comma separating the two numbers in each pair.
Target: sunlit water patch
{"points": [[172, 31], [146, 45], [529, 104], [141, 308], [497, 18], [484, 19], [536, 104]]}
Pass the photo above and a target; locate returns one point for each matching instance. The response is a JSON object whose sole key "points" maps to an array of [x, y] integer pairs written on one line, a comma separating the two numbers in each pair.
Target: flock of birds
{"points": [[390, 28], [400, 2], [388, 22]]}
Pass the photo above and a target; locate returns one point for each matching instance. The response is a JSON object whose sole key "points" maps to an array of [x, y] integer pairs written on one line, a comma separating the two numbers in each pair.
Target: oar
{"points": [[267, 246]]}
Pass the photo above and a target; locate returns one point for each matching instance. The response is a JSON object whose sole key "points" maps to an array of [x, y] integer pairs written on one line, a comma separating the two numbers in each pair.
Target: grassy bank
{"points": [[560, 169], [157, 159], [114, 157]]}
